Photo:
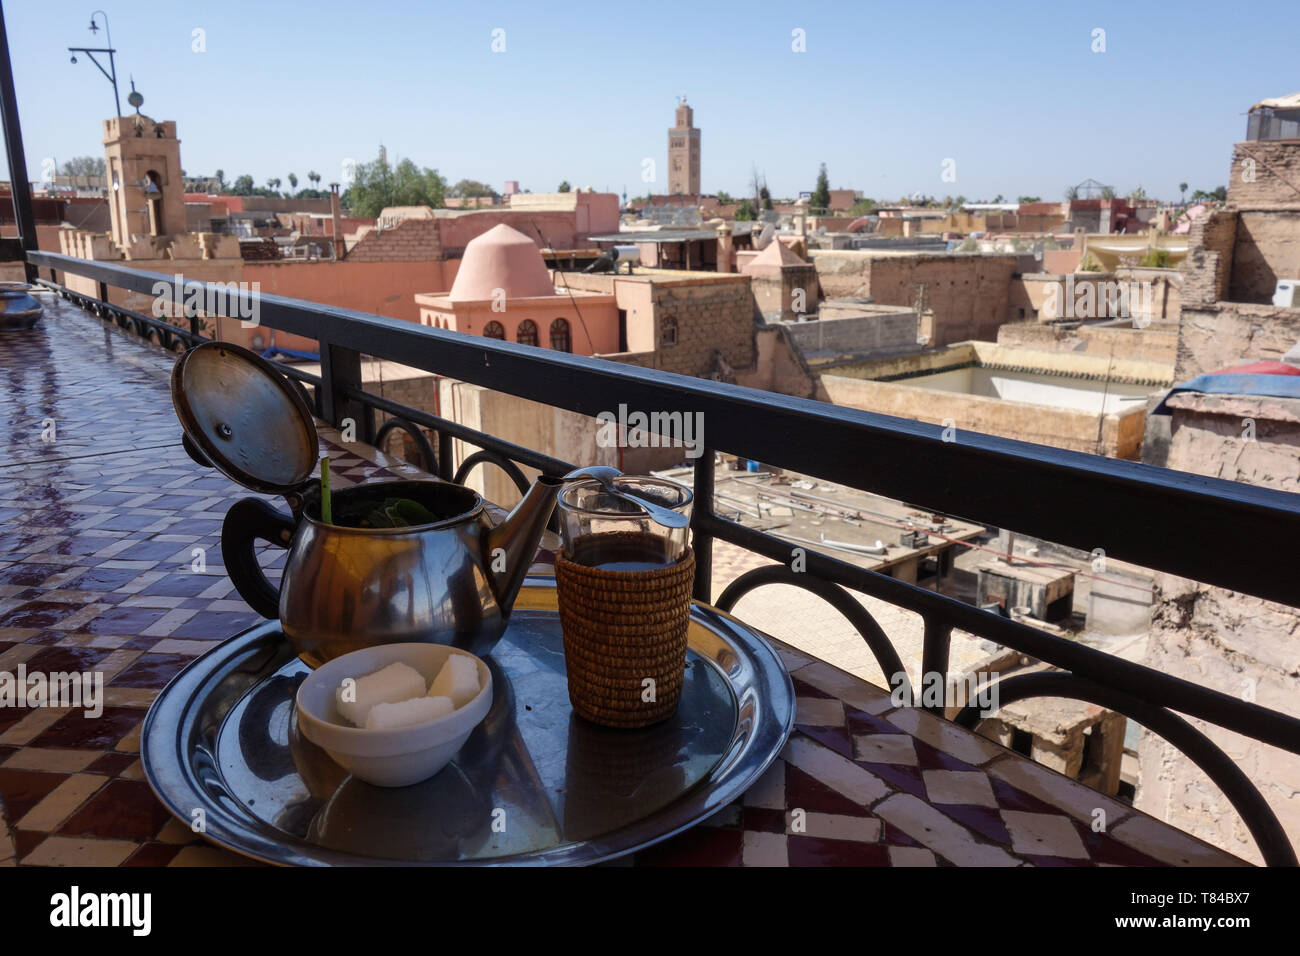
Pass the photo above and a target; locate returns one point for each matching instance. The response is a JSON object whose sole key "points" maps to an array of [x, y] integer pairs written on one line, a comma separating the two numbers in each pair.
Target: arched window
{"points": [[527, 334], [153, 193], [668, 331], [560, 336], [494, 330]]}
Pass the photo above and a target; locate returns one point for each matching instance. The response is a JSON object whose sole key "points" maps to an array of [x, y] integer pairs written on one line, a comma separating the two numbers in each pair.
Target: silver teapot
{"points": [[450, 581]]}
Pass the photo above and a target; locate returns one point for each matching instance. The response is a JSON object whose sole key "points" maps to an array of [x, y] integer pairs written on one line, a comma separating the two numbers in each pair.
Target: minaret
{"points": [[146, 192], [684, 153]]}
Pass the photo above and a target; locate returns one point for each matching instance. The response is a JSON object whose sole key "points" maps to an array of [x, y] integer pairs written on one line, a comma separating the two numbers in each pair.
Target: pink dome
{"points": [[501, 258]]}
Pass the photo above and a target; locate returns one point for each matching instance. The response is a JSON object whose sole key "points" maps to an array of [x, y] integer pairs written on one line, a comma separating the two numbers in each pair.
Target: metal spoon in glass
{"points": [[606, 475]]}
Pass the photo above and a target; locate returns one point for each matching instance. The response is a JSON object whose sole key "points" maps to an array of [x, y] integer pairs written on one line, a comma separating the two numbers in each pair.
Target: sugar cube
{"points": [[458, 680], [407, 713], [387, 685]]}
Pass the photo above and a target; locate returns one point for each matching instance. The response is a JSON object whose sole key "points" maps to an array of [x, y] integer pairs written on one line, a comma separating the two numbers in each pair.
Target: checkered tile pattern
{"points": [[110, 562], [862, 783]]}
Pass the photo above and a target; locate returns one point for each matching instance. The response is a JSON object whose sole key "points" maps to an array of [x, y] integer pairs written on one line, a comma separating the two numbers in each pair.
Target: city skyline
{"points": [[1014, 104]]}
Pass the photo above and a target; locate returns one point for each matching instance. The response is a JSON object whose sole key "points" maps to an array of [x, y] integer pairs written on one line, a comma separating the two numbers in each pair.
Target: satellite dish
{"points": [[765, 237]]}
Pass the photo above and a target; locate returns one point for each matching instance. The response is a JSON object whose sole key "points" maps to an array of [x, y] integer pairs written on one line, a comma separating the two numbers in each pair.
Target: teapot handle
{"points": [[248, 520]]}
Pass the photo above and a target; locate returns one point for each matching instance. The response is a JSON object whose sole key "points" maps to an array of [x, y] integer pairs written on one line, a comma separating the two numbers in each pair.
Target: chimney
{"points": [[339, 250]]}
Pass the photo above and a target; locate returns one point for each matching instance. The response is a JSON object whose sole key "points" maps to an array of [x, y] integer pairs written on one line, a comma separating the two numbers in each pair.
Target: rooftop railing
{"points": [[1152, 517]]}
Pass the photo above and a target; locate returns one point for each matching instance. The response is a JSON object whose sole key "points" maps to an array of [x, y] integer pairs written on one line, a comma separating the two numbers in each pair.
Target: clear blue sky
{"points": [[884, 93]]}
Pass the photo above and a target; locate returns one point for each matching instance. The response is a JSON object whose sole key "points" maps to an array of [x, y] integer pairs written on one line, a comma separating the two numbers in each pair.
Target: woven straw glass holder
{"points": [[621, 627]]}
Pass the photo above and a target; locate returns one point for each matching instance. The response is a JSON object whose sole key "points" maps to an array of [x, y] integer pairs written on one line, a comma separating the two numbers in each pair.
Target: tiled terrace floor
{"points": [[104, 520]]}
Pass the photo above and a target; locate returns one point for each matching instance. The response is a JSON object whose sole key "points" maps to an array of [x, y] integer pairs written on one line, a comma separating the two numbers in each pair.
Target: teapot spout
{"points": [[508, 549]]}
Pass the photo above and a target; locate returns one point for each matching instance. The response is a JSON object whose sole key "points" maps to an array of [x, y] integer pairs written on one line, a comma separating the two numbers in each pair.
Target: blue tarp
{"points": [[1273, 386], [274, 353]]}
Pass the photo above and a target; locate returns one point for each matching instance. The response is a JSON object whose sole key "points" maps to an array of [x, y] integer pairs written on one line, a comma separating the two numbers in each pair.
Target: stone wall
{"points": [[551, 228], [778, 367], [711, 313], [1143, 295], [1239, 645], [411, 240], [713, 316], [1208, 266], [968, 294], [857, 333], [1275, 173], [775, 294], [1147, 345], [1223, 334], [1267, 249]]}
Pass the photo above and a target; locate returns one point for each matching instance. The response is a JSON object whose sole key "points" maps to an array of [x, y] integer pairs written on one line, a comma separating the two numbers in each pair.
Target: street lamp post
{"points": [[111, 73]]}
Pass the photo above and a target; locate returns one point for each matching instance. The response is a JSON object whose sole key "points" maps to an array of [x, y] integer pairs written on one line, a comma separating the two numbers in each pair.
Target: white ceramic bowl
{"points": [[400, 756]]}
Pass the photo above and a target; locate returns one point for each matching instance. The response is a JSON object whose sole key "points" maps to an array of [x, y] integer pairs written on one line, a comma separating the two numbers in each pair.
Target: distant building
{"points": [[684, 153], [842, 200], [503, 291]]}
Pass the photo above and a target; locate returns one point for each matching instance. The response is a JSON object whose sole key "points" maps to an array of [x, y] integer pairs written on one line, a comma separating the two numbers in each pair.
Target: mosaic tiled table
{"points": [[99, 572]]}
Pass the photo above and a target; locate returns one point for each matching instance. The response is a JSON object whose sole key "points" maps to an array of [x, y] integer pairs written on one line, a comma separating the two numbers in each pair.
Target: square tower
{"points": [[146, 192], [684, 154]]}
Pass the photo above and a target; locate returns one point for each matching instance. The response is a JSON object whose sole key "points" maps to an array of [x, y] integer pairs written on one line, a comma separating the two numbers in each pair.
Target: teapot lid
{"points": [[245, 417]]}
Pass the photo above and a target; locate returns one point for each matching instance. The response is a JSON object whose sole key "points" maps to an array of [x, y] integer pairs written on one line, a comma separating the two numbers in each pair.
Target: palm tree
{"points": [[273, 184], [1182, 189], [293, 181], [315, 178]]}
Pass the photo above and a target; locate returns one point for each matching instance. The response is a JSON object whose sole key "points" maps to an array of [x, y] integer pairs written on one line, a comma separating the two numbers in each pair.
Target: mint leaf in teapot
{"points": [[391, 513], [412, 512]]}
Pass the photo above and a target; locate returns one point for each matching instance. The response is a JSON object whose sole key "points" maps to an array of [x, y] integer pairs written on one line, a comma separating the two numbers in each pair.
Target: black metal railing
{"points": [[1149, 516]]}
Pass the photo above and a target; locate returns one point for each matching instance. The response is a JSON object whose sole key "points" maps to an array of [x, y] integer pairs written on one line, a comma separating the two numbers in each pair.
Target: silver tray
{"points": [[534, 784]]}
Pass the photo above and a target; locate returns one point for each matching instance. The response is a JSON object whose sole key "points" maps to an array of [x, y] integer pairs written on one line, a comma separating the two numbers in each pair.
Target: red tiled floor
{"points": [[151, 550], [122, 810], [700, 846], [153, 854], [124, 620], [836, 738], [182, 585], [35, 614], [106, 579], [112, 763], [101, 733], [65, 659], [151, 670], [28, 574], [27, 840], [764, 820], [811, 795], [815, 851], [20, 790], [216, 625], [11, 715]]}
